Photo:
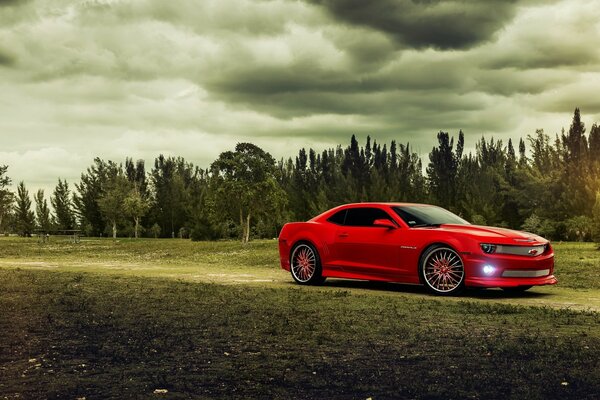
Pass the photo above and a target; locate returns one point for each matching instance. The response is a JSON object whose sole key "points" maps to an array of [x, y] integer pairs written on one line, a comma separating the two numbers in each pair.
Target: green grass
{"points": [[578, 265], [120, 320]]}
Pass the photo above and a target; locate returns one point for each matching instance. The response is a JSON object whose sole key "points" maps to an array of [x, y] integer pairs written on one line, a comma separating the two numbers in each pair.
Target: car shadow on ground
{"points": [[491, 294]]}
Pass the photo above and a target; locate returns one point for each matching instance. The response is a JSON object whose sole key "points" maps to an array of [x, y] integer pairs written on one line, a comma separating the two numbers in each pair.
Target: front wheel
{"points": [[305, 265], [442, 271]]}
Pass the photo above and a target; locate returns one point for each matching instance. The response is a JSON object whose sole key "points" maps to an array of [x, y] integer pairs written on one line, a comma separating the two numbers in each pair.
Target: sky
{"points": [[137, 78]]}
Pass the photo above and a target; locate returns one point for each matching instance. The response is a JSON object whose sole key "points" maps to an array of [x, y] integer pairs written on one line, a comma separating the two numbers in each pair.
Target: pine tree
{"points": [[578, 197], [575, 143], [63, 206], [522, 155], [91, 187], [42, 211], [25, 218], [6, 196], [596, 219], [442, 171], [594, 147]]}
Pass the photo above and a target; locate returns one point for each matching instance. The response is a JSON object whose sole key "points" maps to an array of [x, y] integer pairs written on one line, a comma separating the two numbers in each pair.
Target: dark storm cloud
{"points": [[12, 2], [139, 77], [427, 23], [6, 59]]}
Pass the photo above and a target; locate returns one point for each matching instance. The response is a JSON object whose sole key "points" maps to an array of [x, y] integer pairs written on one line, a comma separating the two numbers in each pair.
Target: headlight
{"points": [[488, 248], [488, 269]]}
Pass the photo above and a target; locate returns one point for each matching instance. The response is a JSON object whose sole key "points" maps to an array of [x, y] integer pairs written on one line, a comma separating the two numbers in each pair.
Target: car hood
{"points": [[495, 235]]}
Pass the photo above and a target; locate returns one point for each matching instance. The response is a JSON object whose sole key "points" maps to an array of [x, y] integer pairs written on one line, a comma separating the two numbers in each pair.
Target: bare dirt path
{"points": [[548, 296]]}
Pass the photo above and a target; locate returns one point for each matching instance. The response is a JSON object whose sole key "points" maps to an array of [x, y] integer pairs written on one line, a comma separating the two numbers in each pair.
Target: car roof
{"points": [[391, 204], [332, 211]]}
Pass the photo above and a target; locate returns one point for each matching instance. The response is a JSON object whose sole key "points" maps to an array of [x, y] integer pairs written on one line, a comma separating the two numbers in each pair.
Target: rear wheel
{"points": [[516, 289], [442, 271], [305, 265]]}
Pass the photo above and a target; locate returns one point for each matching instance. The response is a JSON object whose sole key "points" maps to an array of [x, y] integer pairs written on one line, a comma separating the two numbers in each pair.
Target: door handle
{"points": [[344, 234]]}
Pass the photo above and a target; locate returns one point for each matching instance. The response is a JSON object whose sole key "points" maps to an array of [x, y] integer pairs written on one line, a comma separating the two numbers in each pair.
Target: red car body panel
{"points": [[393, 255]]}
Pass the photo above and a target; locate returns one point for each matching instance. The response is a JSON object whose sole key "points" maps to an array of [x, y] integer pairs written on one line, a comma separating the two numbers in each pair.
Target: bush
{"points": [[203, 229], [155, 230], [539, 226], [580, 228], [478, 220]]}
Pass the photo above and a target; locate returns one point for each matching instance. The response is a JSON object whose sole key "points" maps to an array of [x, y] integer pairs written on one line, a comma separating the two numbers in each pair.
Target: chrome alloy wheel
{"points": [[304, 263], [443, 270]]}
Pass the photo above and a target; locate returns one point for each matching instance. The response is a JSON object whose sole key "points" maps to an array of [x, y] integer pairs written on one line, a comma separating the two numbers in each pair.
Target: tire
{"points": [[305, 264], [516, 289], [442, 271]]}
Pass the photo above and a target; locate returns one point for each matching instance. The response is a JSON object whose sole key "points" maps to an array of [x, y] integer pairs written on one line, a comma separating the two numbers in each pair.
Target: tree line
{"points": [[542, 184]]}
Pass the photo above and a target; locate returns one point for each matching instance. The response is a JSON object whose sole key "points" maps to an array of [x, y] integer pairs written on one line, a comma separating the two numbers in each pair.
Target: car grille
{"points": [[529, 251], [520, 273]]}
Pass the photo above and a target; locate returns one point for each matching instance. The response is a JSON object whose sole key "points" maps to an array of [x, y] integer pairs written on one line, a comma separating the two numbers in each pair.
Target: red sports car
{"points": [[413, 243]]}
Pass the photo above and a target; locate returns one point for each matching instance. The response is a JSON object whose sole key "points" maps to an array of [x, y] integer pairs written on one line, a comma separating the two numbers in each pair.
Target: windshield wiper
{"points": [[426, 226]]}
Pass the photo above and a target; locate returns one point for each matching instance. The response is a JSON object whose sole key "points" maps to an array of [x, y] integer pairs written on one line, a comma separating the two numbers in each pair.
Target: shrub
{"points": [[579, 228]]}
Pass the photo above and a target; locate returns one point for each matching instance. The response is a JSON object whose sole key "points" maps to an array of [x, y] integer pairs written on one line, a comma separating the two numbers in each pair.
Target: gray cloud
{"points": [[6, 59], [427, 23], [117, 78], [12, 2]]}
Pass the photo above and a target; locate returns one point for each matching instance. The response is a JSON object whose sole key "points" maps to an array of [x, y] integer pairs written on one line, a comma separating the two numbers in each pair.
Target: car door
{"points": [[365, 250]]}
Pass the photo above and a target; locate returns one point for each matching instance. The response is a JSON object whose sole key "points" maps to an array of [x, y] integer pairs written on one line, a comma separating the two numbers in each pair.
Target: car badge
{"points": [[533, 252]]}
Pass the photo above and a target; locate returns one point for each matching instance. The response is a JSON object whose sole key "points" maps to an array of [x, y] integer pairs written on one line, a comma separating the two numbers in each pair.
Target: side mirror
{"points": [[384, 223]]}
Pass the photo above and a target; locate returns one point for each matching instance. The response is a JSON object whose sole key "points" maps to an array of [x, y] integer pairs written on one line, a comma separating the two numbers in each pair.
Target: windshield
{"points": [[415, 216]]}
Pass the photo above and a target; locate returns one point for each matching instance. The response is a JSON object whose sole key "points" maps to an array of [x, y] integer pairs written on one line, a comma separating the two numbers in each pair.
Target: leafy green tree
{"points": [[539, 226], [112, 202], [136, 206], [155, 230], [63, 206], [24, 217], [245, 185], [136, 174], [42, 211], [596, 219], [579, 228], [91, 187], [6, 196]]}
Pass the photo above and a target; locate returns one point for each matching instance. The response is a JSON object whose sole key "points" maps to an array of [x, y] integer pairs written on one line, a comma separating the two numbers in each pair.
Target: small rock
{"points": [[160, 391]]}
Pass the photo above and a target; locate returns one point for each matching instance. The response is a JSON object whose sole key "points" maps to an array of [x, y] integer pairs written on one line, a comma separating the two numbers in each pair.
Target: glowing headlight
{"points": [[488, 248], [488, 269]]}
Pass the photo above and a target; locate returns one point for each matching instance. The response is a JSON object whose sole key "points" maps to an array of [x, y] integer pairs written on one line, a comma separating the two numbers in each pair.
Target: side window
{"points": [[364, 216], [338, 218]]}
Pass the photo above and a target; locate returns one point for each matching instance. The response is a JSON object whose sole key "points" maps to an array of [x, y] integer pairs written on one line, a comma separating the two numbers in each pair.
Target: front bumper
{"points": [[502, 270]]}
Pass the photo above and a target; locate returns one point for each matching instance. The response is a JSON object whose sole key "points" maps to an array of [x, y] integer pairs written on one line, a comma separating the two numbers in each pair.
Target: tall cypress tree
{"points": [[42, 211], [25, 218], [577, 196], [442, 171], [63, 206]]}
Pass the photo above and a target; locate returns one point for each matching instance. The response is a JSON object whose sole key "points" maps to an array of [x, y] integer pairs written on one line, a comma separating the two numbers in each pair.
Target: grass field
{"points": [[175, 319]]}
